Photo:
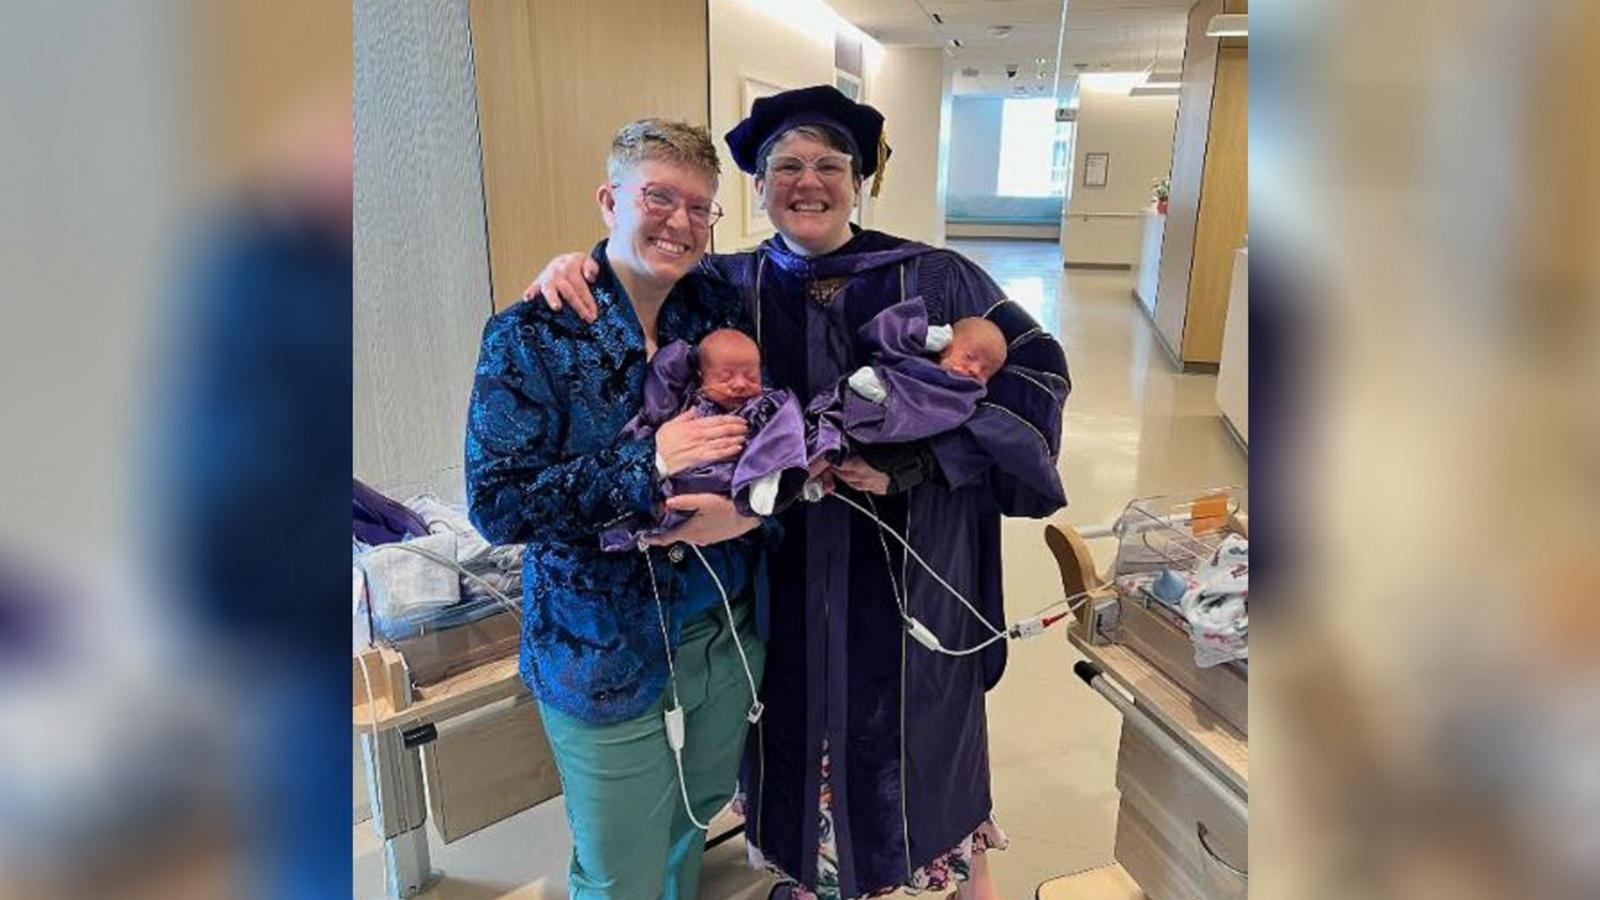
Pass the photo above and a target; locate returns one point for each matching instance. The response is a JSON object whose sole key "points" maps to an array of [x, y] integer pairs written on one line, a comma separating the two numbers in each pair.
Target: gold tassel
{"points": [[883, 163]]}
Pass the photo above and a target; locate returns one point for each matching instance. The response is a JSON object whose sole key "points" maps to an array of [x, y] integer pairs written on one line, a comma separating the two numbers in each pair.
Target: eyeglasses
{"points": [[660, 202], [789, 169]]}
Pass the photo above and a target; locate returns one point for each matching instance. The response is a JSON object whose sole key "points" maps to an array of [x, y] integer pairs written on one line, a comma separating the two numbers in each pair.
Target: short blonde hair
{"points": [[665, 141]]}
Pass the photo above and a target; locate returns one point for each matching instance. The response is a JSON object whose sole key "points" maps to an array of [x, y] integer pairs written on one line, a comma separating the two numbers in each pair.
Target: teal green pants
{"points": [[631, 839]]}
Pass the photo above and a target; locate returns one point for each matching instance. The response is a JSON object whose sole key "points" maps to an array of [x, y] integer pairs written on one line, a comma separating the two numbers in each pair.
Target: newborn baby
{"points": [[973, 347], [722, 376], [924, 379], [730, 368]]}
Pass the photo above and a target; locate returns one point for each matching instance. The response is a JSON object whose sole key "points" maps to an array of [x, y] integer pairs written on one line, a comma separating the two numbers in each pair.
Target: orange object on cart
{"points": [[1210, 514]]}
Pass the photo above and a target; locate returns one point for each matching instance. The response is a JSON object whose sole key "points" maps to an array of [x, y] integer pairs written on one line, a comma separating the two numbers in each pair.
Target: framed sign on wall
{"points": [[1095, 168]]}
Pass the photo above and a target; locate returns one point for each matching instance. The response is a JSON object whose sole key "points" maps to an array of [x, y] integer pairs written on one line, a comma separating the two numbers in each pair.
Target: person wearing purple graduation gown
{"points": [[921, 400], [869, 769], [914, 782], [774, 448]]}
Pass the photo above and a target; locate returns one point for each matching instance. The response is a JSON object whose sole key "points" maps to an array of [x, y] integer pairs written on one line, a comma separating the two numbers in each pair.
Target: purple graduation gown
{"points": [[924, 399], [905, 727], [774, 443]]}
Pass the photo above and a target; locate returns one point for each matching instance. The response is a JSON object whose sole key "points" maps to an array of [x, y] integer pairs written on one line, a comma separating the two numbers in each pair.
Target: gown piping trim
{"points": [[1044, 443], [1021, 373], [1025, 336]]}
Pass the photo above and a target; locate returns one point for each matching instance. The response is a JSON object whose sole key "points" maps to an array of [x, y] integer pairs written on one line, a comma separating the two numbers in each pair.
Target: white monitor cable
{"points": [[754, 715], [1027, 628], [673, 717]]}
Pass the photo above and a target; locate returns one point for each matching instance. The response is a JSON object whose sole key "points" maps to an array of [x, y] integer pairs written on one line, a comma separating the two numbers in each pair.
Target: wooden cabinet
{"points": [[1175, 836], [554, 85]]}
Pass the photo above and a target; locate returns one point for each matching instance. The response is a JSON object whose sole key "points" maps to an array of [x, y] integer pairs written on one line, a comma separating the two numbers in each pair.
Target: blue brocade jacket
{"points": [[545, 467]]}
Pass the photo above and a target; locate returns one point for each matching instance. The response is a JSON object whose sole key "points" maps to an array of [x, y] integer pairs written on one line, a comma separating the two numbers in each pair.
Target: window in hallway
{"points": [[1034, 149]]}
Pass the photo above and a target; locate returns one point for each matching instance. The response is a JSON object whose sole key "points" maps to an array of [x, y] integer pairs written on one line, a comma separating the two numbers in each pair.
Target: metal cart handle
{"points": [[1133, 715], [1201, 832]]}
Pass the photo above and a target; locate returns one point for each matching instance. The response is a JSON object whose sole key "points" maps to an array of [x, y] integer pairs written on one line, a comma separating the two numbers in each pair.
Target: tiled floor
{"points": [[1133, 427]]}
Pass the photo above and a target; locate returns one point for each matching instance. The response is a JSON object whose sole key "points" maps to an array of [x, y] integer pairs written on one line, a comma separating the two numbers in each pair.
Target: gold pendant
{"points": [[824, 290]]}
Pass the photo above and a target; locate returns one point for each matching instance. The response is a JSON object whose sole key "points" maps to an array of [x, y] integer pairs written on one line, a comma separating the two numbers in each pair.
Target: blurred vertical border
{"points": [[174, 443], [175, 447], [1426, 372]]}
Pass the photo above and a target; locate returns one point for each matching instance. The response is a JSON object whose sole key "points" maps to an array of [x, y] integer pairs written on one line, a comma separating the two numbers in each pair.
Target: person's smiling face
{"points": [[809, 191], [657, 213]]}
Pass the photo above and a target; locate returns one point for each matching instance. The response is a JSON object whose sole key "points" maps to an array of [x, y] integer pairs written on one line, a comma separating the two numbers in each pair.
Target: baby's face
{"points": [[730, 373], [974, 356]]}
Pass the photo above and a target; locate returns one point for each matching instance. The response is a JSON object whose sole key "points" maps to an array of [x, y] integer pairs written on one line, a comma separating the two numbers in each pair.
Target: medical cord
{"points": [[673, 717], [756, 707], [1027, 628], [446, 561], [924, 563]]}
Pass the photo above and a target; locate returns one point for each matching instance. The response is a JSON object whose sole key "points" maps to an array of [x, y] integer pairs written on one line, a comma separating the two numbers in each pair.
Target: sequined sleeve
{"points": [[521, 485]]}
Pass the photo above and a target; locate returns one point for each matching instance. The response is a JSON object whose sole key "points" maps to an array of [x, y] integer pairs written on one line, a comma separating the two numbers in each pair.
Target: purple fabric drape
{"points": [[380, 520], [924, 399]]}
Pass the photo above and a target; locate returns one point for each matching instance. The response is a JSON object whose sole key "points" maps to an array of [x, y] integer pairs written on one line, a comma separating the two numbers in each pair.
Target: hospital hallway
{"points": [[1133, 427]]}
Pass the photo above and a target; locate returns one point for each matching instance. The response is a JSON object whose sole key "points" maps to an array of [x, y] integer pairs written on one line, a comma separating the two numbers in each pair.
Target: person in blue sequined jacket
{"points": [[545, 466]]}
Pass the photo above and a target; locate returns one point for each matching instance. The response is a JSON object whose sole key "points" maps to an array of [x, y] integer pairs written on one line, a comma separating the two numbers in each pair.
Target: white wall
{"points": [[907, 87], [790, 44], [1103, 225], [756, 41]]}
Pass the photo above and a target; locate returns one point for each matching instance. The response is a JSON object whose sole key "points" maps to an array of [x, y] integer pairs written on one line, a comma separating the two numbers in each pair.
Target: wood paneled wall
{"points": [[1224, 208], [555, 80], [1207, 208]]}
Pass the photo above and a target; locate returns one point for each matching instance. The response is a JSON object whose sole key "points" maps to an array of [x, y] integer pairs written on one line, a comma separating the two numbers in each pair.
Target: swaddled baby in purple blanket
{"points": [[924, 380], [720, 376]]}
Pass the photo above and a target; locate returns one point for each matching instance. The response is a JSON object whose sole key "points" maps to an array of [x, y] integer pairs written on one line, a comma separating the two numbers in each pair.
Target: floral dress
{"points": [[943, 872]]}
